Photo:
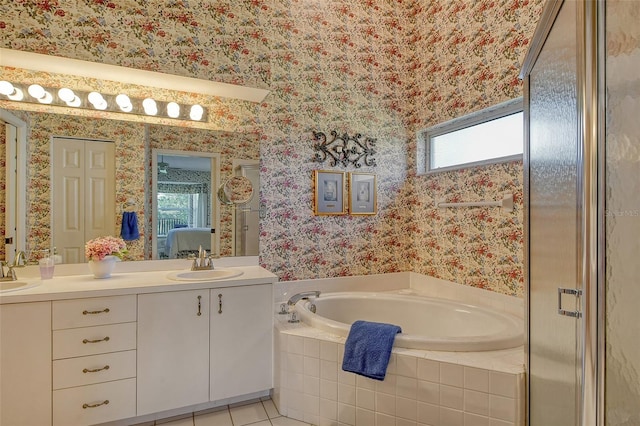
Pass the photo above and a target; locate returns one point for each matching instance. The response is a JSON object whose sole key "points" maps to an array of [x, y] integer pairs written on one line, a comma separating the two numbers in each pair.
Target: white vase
{"points": [[102, 268]]}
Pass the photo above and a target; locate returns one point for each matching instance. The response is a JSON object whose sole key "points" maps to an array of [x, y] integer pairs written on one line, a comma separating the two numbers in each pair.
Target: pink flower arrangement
{"points": [[100, 247]]}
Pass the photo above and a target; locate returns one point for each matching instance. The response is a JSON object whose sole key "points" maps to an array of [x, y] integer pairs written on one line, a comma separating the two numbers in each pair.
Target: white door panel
{"points": [[83, 194]]}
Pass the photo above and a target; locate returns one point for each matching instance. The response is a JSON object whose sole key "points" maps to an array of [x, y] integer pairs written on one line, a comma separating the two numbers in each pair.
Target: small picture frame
{"points": [[329, 190], [363, 199]]}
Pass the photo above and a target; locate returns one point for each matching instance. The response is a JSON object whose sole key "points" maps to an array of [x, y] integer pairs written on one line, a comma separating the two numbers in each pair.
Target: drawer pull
{"points": [[220, 303], [105, 402], [95, 370], [106, 339], [199, 306], [104, 311]]}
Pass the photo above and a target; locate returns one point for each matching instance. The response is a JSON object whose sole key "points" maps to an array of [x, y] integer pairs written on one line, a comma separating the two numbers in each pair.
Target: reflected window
{"points": [[178, 210], [488, 136]]}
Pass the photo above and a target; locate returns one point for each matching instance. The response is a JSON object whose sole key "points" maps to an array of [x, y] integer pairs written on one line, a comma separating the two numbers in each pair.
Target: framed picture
{"points": [[363, 198], [329, 192]]}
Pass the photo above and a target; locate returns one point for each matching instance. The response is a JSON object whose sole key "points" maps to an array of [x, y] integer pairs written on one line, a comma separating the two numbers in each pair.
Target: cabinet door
{"points": [[25, 364], [241, 340], [173, 350]]}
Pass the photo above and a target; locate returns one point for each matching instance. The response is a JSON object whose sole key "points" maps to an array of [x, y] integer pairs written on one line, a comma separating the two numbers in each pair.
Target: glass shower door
{"points": [[553, 360], [622, 368]]}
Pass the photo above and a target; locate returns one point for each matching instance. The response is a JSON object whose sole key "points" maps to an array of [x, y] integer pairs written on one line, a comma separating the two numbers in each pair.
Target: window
{"points": [[489, 136]]}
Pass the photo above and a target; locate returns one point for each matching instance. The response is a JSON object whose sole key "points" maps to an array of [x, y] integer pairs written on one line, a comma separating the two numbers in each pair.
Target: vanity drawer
{"points": [[93, 311], [89, 405], [88, 370], [84, 341]]}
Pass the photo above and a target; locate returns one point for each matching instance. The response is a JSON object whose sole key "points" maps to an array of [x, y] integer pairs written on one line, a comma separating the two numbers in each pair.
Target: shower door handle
{"points": [[574, 291]]}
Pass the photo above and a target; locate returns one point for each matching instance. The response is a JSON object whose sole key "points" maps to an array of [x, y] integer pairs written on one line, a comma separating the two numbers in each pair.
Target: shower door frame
{"points": [[591, 130]]}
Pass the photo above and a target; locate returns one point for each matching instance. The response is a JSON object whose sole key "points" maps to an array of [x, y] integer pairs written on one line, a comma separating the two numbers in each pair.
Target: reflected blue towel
{"points": [[129, 230], [368, 348]]}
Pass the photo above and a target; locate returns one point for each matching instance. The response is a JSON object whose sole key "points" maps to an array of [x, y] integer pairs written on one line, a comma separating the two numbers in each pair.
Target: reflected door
{"points": [[13, 132], [554, 359], [82, 195], [186, 212]]}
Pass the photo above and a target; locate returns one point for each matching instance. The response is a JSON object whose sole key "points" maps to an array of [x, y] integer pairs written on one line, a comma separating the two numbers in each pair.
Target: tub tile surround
{"points": [[421, 387]]}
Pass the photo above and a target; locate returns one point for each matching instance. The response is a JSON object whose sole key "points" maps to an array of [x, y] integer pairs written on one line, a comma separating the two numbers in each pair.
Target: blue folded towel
{"points": [[129, 230], [368, 348]]}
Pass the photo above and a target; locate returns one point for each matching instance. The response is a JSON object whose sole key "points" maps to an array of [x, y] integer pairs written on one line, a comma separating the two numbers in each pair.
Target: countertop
{"points": [[143, 277]]}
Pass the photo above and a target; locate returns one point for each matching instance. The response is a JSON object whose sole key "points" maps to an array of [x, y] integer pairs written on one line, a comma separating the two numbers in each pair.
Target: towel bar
{"points": [[506, 203]]}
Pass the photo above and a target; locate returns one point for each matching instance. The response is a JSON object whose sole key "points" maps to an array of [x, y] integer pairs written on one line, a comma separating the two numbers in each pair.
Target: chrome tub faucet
{"points": [[302, 296]]}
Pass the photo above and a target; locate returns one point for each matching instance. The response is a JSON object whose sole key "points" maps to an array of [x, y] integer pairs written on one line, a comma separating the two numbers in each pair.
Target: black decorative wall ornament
{"points": [[344, 149]]}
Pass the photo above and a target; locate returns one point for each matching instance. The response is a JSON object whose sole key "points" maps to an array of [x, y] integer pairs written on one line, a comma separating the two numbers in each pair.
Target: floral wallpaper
{"points": [[212, 40], [470, 54], [379, 68]]}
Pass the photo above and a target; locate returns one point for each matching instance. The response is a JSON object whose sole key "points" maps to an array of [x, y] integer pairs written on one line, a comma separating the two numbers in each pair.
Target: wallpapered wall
{"points": [[380, 68], [470, 54]]}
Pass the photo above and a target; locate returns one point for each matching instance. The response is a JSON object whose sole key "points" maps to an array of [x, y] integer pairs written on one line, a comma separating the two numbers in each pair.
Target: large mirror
{"points": [[187, 215], [135, 178]]}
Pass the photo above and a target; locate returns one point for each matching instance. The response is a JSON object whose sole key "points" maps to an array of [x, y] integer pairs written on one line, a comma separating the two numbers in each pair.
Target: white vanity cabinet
{"points": [[25, 364], [204, 345], [130, 350], [94, 360], [241, 340], [173, 350]]}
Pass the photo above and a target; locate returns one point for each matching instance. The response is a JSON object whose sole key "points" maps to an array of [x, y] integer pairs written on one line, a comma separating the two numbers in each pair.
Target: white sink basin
{"points": [[206, 275], [6, 286]]}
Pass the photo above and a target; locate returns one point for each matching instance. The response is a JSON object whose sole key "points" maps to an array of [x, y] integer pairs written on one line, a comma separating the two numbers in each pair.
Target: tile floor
{"points": [[255, 413]]}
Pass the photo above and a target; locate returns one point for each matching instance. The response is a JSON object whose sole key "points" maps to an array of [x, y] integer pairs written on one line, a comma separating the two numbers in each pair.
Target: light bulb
{"points": [[97, 101], [196, 112], [173, 110], [124, 103], [66, 95], [123, 100], [6, 88], [36, 91], [150, 107], [75, 102], [46, 98], [17, 95], [95, 98]]}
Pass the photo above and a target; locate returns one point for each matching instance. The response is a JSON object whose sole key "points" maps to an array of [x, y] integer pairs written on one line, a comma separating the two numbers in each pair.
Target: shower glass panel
{"points": [[622, 368], [553, 226]]}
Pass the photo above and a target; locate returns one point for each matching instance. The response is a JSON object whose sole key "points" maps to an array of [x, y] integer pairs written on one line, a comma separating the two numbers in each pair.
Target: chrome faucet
{"points": [[20, 255], [11, 274], [202, 262], [302, 296]]}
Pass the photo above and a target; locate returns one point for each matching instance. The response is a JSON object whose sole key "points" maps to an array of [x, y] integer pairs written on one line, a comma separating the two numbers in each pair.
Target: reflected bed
{"points": [[183, 241]]}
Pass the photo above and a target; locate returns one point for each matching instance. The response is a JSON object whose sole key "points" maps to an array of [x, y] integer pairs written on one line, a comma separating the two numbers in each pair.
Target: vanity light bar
{"points": [[66, 97]]}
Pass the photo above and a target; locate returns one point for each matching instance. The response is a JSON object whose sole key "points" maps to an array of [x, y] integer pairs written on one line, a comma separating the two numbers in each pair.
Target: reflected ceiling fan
{"points": [[162, 166]]}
